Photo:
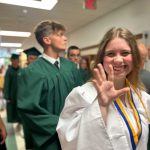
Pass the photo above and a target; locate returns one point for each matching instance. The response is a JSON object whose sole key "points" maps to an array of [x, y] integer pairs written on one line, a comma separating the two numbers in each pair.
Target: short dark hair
{"points": [[71, 48]]}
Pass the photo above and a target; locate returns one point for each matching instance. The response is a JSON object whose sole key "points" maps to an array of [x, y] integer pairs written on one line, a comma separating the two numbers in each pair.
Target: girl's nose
{"points": [[118, 58]]}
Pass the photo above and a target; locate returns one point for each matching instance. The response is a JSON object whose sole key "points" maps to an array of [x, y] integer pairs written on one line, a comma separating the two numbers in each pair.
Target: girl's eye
{"points": [[110, 54], [126, 53]]}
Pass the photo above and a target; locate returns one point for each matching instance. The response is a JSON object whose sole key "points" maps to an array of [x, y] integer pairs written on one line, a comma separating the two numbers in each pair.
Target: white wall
{"points": [[135, 16]]}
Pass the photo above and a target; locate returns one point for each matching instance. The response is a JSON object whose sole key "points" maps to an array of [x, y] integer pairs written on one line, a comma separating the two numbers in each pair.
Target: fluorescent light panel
{"points": [[43, 4], [15, 33], [10, 44], [19, 50]]}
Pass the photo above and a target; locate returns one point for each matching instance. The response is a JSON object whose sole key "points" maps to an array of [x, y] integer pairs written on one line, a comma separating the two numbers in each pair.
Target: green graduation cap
{"points": [[32, 51], [14, 56]]}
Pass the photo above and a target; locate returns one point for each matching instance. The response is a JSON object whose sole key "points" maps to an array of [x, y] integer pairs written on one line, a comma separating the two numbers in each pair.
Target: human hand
{"points": [[105, 86], [3, 133]]}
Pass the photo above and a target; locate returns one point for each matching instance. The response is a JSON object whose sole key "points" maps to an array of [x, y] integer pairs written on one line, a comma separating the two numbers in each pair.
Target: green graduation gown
{"points": [[41, 95], [10, 93], [85, 74]]}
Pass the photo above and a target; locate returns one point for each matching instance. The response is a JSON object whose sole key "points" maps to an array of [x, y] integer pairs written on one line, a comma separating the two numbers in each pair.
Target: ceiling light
{"points": [[19, 50], [43, 4], [10, 44], [15, 33]]}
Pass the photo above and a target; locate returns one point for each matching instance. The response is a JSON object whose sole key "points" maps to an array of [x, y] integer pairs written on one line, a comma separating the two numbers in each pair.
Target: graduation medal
{"points": [[134, 137]]}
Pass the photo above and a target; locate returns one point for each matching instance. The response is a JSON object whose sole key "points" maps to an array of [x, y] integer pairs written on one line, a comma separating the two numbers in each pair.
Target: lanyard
{"points": [[134, 137], [140, 98]]}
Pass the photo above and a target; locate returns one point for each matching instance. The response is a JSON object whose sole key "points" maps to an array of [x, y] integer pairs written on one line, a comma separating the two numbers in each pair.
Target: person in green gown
{"points": [[32, 54], [10, 89], [74, 55], [44, 85]]}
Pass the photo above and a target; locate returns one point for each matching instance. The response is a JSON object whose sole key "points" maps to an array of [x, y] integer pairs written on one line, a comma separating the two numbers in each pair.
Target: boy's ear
{"points": [[47, 40]]}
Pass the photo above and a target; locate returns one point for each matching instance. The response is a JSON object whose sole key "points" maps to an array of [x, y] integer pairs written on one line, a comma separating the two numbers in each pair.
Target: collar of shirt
{"points": [[78, 66], [50, 59]]}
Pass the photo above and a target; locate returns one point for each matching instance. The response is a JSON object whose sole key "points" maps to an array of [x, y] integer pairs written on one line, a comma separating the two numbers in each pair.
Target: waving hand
{"points": [[105, 86]]}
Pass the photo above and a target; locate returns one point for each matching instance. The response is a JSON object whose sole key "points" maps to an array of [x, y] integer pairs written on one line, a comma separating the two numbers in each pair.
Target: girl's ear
{"points": [[47, 40]]}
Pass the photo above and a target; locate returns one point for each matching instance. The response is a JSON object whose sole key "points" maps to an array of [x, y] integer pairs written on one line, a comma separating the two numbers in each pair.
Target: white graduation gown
{"points": [[81, 126]]}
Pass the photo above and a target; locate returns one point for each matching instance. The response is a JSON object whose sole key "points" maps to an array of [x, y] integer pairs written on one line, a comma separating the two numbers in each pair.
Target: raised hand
{"points": [[105, 86]]}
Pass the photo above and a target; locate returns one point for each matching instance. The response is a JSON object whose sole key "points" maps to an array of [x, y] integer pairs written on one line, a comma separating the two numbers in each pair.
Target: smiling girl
{"points": [[111, 111]]}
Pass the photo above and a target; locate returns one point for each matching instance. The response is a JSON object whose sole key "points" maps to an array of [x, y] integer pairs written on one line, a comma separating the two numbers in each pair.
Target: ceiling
{"points": [[69, 12]]}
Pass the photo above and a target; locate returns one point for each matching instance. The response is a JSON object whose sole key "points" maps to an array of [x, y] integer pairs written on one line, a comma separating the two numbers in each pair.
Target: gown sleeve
{"points": [[78, 78], [31, 91], [7, 81], [81, 114]]}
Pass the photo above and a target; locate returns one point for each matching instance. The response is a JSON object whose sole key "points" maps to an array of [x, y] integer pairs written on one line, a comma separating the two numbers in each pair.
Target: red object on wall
{"points": [[90, 4]]}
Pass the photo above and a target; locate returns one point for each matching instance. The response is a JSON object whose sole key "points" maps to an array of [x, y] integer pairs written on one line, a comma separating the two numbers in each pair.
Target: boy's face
{"points": [[74, 56], [58, 41], [31, 58], [15, 63]]}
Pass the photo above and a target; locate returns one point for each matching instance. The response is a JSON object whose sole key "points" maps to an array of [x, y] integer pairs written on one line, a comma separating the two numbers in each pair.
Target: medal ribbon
{"points": [[147, 114], [134, 137]]}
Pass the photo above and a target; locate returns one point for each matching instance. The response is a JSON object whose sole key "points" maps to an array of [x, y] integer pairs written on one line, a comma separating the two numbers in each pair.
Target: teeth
{"points": [[118, 68]]}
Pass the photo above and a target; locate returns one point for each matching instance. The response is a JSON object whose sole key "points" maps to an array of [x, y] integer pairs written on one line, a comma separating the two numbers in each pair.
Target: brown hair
{"points": [[45, 28], [125, 34], [87, 62], [72, 48]]}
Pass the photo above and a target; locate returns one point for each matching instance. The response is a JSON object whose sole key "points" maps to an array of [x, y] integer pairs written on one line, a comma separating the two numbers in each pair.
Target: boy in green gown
{"points": [[10, 89], [43, 87], [32, 54], [74, 55]]}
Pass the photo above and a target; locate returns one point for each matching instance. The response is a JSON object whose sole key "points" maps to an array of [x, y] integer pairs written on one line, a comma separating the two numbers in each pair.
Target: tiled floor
{"points": [[14, 140]]}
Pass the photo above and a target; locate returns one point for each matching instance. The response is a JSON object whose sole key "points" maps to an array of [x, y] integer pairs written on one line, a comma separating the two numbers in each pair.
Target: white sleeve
{"points": [[146, 100], [81, 114]]}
